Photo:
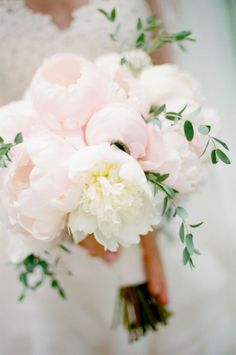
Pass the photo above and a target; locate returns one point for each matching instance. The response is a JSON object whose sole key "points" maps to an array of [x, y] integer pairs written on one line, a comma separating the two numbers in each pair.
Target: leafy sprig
{"points": [[5, 149], [150, 33], [40, 270], [185, 233], [111, 17], [217, 154], [169, 115], [159, 36]]}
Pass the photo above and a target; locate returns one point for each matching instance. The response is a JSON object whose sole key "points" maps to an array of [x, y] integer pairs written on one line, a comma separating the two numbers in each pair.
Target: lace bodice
{"points": [[26, 38]]}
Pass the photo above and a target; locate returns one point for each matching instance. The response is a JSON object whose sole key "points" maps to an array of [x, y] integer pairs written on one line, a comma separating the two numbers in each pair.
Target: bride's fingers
{"points": [[158, 290], [110, 256], [97, 250]]}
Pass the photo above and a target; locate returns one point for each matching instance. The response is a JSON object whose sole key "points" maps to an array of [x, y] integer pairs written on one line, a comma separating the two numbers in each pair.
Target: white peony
{"points": [[167, 84], [116, 202]]}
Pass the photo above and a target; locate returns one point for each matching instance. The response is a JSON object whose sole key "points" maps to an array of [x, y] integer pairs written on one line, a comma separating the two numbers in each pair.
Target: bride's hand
{"points": [[97, 250], [154, 269]]}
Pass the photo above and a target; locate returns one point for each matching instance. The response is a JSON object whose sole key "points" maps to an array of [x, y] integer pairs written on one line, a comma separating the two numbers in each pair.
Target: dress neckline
{"points": [[50, 18]]}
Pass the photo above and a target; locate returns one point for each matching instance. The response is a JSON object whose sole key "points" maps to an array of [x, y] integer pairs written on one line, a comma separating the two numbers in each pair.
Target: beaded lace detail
{"points": [[26, 38]]}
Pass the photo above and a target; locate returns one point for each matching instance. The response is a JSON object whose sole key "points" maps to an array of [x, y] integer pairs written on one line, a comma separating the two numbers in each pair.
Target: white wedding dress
{"points": [[45, 325]]}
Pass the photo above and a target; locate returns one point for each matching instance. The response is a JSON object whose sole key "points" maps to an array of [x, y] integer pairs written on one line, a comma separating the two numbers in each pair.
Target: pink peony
{"points": [[124, 86], [66, 90], [36, 193], [169, 152], [118, 122], [16, 117]]}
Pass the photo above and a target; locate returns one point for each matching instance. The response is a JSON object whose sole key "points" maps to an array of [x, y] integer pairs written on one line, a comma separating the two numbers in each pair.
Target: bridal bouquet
{"points": [[106, 148]]}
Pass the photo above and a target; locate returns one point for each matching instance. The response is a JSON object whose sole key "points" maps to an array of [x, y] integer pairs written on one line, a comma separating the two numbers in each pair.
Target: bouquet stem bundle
{"points": [[139, 311]]}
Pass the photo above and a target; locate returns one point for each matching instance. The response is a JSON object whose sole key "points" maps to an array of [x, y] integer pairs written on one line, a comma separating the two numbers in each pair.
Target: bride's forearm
{"points": [[162, 55], [154, 268]]}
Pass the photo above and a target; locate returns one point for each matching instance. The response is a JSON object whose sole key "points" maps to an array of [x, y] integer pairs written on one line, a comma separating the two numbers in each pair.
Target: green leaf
{"points": [[221, 142], [214, 159], [182, 232], [105, 13], [110, 17], [1, 140], [186, 256], [222, 156], [183, 109], [155, 120], [168, 190], [191, 263], [158, 110], [54, 283], [123, 61], [21, 297], [63, 247], [188, 130], [23, 278], [62, 293], [180, 36], [165, 205], [113, 15], [172, 116], [2, 163], [140, 40], [150, 19], [189, 243], [196, 225], [18, 138], [197, 252], [163, 177], [139, 25], [204, 129], [204, 151], [181, 212]]}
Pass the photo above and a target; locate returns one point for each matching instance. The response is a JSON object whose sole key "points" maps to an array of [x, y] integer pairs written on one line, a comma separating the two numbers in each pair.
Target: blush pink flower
{"points": [[35, 190], [16, 117], [169, 152], [118, 122], [124, 86], [66, 90]]}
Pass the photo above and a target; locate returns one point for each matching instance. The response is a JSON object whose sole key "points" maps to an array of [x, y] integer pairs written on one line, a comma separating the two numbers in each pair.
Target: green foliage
{"points": [[175, 117], [140, 40], [40, 270], [216, 153], [150, 33], [159, 36], [5, 149], [188, 130], [109, 16], [139, 311], [185, 235]]}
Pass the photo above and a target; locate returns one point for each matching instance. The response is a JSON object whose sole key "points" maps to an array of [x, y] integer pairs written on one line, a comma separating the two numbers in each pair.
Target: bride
{"points": [[30, 31]]}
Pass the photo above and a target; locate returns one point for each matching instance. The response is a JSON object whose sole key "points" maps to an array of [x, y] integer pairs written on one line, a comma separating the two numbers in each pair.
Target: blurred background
{"points": [[44, 325], [212, 60]]}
